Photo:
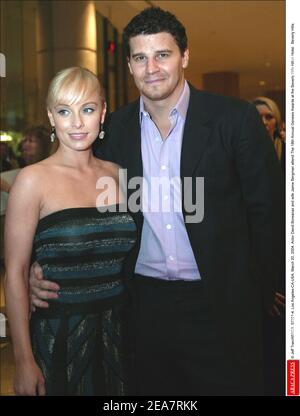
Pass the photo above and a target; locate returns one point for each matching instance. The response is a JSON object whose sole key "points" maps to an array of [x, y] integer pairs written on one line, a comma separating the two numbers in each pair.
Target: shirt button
{"points": [[164, 167], [169, 226], [171, 258], [157, 139], [166, 197]]}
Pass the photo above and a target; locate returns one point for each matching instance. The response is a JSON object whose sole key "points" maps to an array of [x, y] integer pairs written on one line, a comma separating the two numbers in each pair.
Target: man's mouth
{"points": [[154, 81]]}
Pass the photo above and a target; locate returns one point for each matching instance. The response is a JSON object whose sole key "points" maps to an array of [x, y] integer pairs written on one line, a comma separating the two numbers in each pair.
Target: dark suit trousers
{"points": [[177, 347]]}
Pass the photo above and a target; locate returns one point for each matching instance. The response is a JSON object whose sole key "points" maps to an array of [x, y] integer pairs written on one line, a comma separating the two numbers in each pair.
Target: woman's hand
{"points": [[29, 380]]}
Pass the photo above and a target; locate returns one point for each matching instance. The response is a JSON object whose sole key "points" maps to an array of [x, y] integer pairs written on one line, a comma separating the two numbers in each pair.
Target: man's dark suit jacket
{"points": [[240, 242]]}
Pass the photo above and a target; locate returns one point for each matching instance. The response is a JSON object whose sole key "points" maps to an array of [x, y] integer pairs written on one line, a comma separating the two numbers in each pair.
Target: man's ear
{"points": [[185, 58], [129, 66]]}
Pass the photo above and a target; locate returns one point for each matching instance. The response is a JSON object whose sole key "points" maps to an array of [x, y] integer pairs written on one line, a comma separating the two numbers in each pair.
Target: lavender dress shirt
{"points": [[165, 251]]}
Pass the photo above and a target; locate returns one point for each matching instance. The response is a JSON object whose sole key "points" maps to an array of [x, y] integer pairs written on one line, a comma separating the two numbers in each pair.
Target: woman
{"points": [[271, 118], [274, 322], [74, 347]]}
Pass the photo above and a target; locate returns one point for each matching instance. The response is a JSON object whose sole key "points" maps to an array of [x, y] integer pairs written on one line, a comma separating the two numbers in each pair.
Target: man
{"points": [[199, 285]]}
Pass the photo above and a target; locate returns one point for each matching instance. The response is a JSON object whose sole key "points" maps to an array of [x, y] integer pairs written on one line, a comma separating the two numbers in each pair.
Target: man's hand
{"points": [[40, 289], [279, 303]]}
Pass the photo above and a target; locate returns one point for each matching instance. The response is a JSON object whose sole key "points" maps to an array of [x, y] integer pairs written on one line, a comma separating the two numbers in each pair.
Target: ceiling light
{"points": [[4, 137]]}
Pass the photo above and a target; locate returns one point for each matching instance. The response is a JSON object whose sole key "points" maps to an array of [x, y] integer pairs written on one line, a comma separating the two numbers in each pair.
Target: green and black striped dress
{"points": [[78, 341]]}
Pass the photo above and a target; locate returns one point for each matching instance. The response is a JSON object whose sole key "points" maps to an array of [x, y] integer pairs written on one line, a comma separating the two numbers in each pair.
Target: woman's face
{"points": [[30, 148], [77, 125], [268, 118]]}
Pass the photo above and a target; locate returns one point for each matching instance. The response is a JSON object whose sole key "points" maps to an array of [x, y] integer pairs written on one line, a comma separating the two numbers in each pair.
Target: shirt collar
{"points": [[181, 106]]}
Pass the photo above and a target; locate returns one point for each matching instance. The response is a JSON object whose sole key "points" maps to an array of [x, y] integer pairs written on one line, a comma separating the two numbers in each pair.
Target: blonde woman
{"points": [[271, 118], [75, 346], [274, 322]]}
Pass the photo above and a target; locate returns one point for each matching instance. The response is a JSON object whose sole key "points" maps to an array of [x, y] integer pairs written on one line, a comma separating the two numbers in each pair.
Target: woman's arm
{"points": [[22, 216], [4, 186]]}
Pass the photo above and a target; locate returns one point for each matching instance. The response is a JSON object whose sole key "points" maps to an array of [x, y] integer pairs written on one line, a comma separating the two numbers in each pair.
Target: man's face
{"points": [[157, 65]]}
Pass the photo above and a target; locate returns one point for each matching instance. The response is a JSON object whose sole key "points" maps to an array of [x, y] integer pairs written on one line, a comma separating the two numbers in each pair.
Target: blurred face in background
{"points": [[30, 149], [268, 118]]}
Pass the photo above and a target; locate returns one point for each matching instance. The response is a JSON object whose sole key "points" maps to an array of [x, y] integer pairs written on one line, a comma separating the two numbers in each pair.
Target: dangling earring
{"points": [[52, 135], [102, 132]]}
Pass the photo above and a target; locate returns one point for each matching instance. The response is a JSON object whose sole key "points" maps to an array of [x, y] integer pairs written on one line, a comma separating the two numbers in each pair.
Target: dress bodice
{"points": [[83, 251]]}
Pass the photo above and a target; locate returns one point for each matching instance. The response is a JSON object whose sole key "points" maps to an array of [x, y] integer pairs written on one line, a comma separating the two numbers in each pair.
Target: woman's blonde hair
{"points": [[272, 107], [72, 85]]}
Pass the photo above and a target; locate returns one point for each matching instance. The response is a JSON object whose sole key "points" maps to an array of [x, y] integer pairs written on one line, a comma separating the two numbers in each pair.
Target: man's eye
{"points": [[163, 55], [139, 58]]}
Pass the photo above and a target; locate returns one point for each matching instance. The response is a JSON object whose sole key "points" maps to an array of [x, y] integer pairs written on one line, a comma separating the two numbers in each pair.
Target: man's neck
{"points": [[160, 110]]}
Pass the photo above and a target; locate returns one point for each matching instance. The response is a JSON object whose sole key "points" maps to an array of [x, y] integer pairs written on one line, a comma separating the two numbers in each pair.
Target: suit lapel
{"points": [[132, 132], [195, 134]]}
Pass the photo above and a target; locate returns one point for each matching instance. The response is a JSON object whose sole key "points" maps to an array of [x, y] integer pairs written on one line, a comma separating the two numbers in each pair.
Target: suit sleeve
{"points": [[106, 149], [263, 191]]}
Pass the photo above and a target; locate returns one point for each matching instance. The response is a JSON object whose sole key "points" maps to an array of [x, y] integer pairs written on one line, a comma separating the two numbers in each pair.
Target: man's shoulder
{"points": [[126, 112], [206, 107], [217, 101]]}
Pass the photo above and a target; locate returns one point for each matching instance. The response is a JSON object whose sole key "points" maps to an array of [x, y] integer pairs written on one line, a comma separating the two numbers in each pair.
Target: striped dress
{"points": [[78, 342]]}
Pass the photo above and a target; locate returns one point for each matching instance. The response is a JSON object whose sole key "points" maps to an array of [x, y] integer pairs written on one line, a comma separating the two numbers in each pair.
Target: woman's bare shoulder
{"points": [[32, 176], [109, 168]]}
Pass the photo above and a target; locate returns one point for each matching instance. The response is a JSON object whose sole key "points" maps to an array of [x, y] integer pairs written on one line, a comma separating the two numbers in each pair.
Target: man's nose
{"points": [[152, 66]]}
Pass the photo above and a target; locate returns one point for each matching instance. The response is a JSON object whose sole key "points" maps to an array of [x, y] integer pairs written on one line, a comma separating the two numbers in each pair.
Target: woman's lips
{"points": [[78, 136]]}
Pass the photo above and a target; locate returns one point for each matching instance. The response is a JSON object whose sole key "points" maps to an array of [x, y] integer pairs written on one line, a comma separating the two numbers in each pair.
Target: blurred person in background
{"points": [[274, 322], [271, 118], [7, 158], [4, 185], [35, 146]]}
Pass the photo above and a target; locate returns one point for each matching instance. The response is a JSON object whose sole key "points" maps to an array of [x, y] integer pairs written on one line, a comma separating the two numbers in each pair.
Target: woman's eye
{"points": [[63, 112], [88, 110]]}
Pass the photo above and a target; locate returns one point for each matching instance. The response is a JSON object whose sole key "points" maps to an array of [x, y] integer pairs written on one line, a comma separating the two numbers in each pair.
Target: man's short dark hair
{"points": [[155, 20]]}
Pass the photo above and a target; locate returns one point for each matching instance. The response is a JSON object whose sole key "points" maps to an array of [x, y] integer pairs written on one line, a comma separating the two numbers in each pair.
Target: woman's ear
{"points": [[103, 112], [51, 119]]}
